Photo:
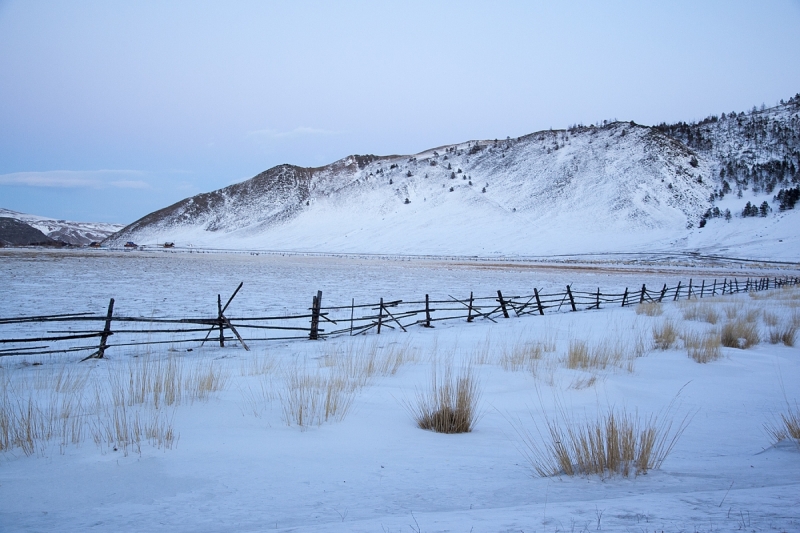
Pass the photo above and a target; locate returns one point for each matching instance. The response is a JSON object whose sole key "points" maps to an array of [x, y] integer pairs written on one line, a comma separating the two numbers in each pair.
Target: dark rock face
{"points": [[16, 233]]}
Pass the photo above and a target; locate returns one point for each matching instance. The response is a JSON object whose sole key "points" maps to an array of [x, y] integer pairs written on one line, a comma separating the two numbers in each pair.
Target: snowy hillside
{"points": [[619, 187], [81, 233]]}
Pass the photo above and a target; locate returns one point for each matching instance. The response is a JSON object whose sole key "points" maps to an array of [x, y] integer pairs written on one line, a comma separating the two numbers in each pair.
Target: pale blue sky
{"points": [[110, 110]]}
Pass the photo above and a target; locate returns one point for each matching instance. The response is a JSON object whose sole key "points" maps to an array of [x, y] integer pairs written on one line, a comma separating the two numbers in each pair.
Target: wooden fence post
{"points": [[538, 301], [470, 318], [380, 317], [677, 291], [352, 310], [221, 322], [427, 313], [724, 285], [702, 288], [689, 297], [598, 298], [502, 303], [571, 299], [663, 292], [644, 290], [316, 305], [625, 297], [714, 290]]}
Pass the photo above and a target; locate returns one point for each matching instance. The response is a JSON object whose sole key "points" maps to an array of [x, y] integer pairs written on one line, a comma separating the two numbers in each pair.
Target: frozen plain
{"points": [[238, 466]]}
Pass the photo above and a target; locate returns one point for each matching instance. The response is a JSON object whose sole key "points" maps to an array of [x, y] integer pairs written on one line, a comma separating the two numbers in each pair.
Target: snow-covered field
{"points": [[218, 449]]}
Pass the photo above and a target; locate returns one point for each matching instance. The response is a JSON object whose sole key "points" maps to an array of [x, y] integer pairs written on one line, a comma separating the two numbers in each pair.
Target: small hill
{"points": [[75, 233], [16, 233]]}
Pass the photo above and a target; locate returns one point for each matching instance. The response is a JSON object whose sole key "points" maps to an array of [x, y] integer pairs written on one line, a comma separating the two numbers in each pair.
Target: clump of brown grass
{"points": [[703, 347], [770, 319], [649, 309], [665, 335], [785, 334], [788, 428], [616, 443], [450, 405], [740, 333], [704, 312]]}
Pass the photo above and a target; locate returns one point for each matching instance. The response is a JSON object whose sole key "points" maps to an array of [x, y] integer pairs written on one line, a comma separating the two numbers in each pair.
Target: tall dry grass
{"points": [[312, 396], [788, 428], [450, 404], [615, 443], [701, 311], [665, 335], [604, 354], [740, 333], [702, 347]]}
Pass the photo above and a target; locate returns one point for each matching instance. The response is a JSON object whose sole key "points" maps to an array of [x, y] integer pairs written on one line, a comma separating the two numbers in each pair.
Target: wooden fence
{"points": [[353, 319]]}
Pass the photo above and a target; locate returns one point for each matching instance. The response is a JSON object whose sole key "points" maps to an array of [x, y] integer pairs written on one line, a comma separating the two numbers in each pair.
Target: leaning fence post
{"points": [[571, 299], [641, 298], [316, 305], [677, 291], [663, 292], [625, 297], [538, 301], [101, 351], [702, 288], [502, 303]]}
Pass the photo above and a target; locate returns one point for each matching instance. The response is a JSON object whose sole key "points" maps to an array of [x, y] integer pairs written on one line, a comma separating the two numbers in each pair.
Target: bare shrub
{"points": [[788, 428], [703, 347], [450, 405], [665, 335], [649, 309], [740, 334], [615, 443]]}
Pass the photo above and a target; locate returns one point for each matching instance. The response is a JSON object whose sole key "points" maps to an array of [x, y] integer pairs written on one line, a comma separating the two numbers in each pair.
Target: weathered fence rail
{"points": [[73, 332]]}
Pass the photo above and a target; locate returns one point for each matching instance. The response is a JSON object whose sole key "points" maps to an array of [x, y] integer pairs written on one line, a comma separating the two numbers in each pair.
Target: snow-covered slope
{"points": [[81, 233], [619, 187], [534, 194]]}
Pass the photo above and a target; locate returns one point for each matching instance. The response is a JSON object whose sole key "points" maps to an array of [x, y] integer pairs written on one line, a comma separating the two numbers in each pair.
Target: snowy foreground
{"points": [[218, 446]]}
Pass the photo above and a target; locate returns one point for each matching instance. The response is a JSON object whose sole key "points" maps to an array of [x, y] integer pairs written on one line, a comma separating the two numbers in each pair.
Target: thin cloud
{"points": [[76, 179], [297, 132]]}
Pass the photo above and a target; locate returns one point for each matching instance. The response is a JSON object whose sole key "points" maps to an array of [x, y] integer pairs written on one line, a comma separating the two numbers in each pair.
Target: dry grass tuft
{"points": [[604, 354], [310, 399], [616, 443], [705, 312], [770, 319], [788, 428], [665, 335], [521, 356], [785, 334], [450, 405], [740, 334], [649, 309], [703, 347]]}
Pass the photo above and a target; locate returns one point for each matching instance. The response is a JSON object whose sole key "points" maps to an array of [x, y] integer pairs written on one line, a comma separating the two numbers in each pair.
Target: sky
{"points": [[112, 110]]}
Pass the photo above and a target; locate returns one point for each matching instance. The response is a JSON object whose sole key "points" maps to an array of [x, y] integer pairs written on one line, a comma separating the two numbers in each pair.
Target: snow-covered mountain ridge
{"points": [[615, 187], [79, 233]]}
